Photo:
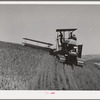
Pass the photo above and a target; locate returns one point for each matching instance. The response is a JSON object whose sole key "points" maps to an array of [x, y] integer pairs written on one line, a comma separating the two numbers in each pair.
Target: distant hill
{"points": [[90, 56], [94, 60], [32, 68]]}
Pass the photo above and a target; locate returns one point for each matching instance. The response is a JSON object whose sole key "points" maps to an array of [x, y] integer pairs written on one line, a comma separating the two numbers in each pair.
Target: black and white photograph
{"points": [[49, 47]]}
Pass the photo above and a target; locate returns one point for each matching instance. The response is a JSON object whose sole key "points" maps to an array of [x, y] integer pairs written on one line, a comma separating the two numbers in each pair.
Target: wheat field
{"points": [[27, 68]]}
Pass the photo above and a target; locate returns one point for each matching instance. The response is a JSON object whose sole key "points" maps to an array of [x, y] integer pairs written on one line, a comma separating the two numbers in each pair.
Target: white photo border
{"points": [[48, 94]]}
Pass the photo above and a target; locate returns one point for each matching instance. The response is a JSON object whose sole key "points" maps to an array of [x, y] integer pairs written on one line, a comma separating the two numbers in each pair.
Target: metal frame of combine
{"points": [[47, 46]]}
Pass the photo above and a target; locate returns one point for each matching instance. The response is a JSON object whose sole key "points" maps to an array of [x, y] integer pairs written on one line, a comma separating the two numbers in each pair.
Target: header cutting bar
{"points": [[38, 41]]}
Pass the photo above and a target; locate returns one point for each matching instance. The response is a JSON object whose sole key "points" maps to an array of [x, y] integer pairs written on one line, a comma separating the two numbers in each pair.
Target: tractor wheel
{"points": [[66, 60], [75, 61], [72, 60]]}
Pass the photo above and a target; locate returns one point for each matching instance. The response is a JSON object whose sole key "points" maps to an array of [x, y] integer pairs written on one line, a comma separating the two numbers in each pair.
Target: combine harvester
{"points": [[67, 50]]}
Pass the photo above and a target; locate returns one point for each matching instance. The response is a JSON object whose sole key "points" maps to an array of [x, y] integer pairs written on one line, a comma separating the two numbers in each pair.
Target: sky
{"points": [[41, 21]]}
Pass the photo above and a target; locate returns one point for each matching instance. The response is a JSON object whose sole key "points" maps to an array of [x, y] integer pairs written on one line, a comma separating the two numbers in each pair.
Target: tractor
{"points": [[67, 50]]}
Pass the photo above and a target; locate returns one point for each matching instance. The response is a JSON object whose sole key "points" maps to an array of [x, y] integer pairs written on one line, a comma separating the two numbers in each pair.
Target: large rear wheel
{"points": [[72, 60]]}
